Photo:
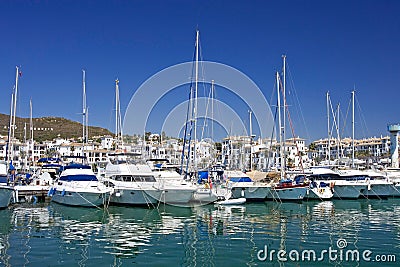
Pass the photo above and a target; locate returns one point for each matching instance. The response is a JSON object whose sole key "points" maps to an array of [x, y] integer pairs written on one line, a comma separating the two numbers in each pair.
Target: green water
{"points": [[55, 235]]}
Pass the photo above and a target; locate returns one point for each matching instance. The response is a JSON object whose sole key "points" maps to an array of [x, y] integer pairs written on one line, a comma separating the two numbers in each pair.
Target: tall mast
{"points": [[352, 123], [116, 113], [10, 126], [212, 109], [284, 107], [212, 120], [83, 113], [87, 125], [329, 129], [15, 99], [251, 141], [14, 111], [280, 128], [31, 131], [121, 135], [195, 100], [338, 131], [25, 162]]}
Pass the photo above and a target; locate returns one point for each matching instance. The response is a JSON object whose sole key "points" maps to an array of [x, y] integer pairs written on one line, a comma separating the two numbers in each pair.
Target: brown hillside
{"points": [[48, 128]]}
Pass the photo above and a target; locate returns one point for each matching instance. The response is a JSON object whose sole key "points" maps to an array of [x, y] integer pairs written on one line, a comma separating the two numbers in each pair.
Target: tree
{"points": [[146, 136], [312, 147]]}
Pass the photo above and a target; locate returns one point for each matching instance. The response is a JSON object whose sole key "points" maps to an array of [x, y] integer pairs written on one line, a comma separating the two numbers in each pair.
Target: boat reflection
{"points": [[202, 235], [129, 230], [5, 229]]}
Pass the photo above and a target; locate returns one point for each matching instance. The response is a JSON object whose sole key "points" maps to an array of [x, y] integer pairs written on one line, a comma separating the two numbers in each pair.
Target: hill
{"points": [[48, 128]]}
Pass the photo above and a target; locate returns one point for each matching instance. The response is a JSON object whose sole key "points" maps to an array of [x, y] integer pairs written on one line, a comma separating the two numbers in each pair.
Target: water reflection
{"points": [[203, 235], [5, 229]]}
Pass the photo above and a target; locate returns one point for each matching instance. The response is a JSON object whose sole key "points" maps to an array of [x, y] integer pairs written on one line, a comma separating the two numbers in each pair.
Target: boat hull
{"points": [[172, 195], [379, 190], [130, 196], [322, 193], [250, 191], [209, 195], [6, 193], [81, 199], [204, 196], [289, 194], [396, 190], [348, 191]]}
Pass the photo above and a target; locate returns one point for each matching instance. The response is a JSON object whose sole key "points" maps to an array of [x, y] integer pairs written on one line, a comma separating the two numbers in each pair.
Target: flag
{"points": [[20, 73]]}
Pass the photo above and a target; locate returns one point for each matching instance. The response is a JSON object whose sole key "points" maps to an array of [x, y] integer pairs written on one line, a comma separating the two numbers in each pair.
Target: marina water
{"points": [[48, 234]]}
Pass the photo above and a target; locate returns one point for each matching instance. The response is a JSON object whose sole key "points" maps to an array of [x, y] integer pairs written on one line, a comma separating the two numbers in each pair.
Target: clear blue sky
{"points": [[330, 45]]}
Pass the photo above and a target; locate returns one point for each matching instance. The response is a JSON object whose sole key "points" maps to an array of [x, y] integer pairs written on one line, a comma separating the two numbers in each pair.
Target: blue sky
{"points": [[333, 46]]}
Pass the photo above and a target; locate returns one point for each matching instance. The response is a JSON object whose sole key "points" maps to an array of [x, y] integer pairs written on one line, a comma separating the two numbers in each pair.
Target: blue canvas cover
{"points": [[240, 179]]}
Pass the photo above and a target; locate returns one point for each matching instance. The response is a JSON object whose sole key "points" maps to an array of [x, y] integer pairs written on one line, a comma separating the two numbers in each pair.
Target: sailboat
{"points": [[285, 189], [129, 180], [7, 170], [206, 190], [350, 182], [77, 184], [133, 182], [6, 189]]}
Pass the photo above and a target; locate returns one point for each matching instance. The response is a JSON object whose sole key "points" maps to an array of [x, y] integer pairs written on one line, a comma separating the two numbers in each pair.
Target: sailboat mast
{"points": [[10, 126], [195, 100], [83, 112], [15, 106], [284, 108], [121, 135], [12, 114], [15, 99], [31, 131], [212, 119], [87, 125], [338, 131], [329, 129], [116, 110], [251, 141], [212, 108], [116, 113], [352, 123], [280, 127]]}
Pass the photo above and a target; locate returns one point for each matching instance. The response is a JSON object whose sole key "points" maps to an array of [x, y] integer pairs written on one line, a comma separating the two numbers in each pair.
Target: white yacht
{"points": [[6, 190], [207, 188], [344, 186], [210, 187], [289, 190], [319, 190], [174, 188], [78, 186], [241, 185], [393, 175], [377, 185], [133, 184]]}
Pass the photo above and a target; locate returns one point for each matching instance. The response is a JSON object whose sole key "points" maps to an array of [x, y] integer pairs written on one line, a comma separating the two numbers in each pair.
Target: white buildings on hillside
{"points": [[374, 147], [235, 152], [240, 152]]}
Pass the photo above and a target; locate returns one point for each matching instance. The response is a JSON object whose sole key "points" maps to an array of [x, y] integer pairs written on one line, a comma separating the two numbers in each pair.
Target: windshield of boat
{"points": [[134, 178]]}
